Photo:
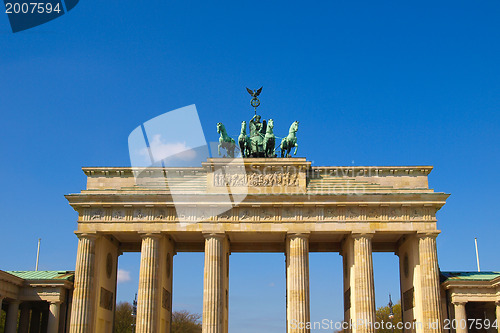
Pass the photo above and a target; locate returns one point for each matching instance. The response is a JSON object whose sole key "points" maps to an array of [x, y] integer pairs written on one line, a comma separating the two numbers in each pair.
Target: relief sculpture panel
{"points": [[256, 179]]}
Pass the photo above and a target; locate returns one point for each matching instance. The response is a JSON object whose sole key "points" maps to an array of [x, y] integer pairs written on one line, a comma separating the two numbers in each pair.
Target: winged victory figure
{"points": [[254, 93]]}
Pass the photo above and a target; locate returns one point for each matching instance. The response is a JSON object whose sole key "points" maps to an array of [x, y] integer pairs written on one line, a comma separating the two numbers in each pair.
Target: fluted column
{"points": [[147, 297], [297, 283], [45, 320], [53, 325], [429, 283], [460, 317], [364, 295], [24, 318], [35, 320], [213, 320], [81, 313], [497, 303], [11, 320]]}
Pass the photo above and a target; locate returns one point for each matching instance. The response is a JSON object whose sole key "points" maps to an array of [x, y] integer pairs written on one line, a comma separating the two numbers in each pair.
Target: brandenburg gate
{"points": [[256, 205]]}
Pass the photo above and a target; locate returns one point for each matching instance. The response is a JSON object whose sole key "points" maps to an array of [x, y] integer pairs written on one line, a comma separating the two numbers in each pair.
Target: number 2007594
{"points": [[31, 8]]}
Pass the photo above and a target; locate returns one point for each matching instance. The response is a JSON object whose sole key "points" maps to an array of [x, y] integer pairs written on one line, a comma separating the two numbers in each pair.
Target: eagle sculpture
{"points": [[254, 93]]}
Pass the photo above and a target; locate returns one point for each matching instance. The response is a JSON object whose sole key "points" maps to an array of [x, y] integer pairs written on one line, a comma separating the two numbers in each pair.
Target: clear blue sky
{"points": [[372, 83]]}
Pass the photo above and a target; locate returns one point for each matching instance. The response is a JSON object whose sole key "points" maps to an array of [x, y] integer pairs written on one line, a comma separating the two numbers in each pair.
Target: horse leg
{"points": [[230, 151], [296, 147], [219, 147]]}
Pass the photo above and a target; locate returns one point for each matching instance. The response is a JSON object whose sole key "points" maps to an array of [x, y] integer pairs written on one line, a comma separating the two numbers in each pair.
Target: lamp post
{"points": [[391, 313]]}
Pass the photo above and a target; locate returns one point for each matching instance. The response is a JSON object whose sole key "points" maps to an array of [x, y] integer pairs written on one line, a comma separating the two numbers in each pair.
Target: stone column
{"points": [[364, 294], [297, 283], [11, 320], [147, 297], [429, 283], [460, 317], [24, 318], [35, 320], [83, 298], [497, 303], [45, 319], [214, 291], [53, 325]]}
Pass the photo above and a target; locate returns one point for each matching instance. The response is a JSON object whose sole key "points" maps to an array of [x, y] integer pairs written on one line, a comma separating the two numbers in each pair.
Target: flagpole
{"points": [[477, 256]]}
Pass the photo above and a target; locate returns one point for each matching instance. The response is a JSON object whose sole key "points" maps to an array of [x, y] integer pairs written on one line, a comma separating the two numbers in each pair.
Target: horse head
{"points": [[219, 127], [294, 127], [243, 127], [270, 126]]}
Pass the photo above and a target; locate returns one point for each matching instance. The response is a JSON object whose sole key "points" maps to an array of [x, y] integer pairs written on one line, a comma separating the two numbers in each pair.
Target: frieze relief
{"points": [[309, 214], [225, 216], [139, 214], [331, 213], [416, 213], [245, 214], [201, 214], [118, 215], [373, 213], [97, 214], [160, 215], [288, 213], [255, 179], [395, 213], [267, 214], [345, 213], [352, 213]]}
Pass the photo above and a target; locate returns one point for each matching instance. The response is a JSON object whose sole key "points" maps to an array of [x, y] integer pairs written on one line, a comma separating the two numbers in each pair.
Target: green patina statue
{"points": [[225, 141], [290, 141], [261, 142]]}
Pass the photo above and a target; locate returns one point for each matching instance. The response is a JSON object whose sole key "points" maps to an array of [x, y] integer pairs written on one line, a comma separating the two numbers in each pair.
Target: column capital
{"points": [[87, 235], [368, 234], [424, 234], [459, 303], [497, 303], [304, 235], [156, 235], [220, 235]]}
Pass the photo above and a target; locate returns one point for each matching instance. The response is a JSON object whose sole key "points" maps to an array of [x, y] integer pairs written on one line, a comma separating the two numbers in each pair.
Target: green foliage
{"points": [[2, 321], [182, 321], [185, 322], [123, 318], [382, 314]]}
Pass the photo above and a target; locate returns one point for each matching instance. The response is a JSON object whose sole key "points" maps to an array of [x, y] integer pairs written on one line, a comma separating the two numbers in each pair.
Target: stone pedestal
{"points": [[215, 286], [460, 317], [429, 283], [53, 325], [297, 283], [147, 309], [11, 319], [82, 308]]}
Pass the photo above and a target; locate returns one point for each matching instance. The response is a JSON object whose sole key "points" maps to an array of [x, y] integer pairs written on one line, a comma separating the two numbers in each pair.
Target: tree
{"points": [[382, 315], [182, 321], [185, 322], [123, 318]]}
